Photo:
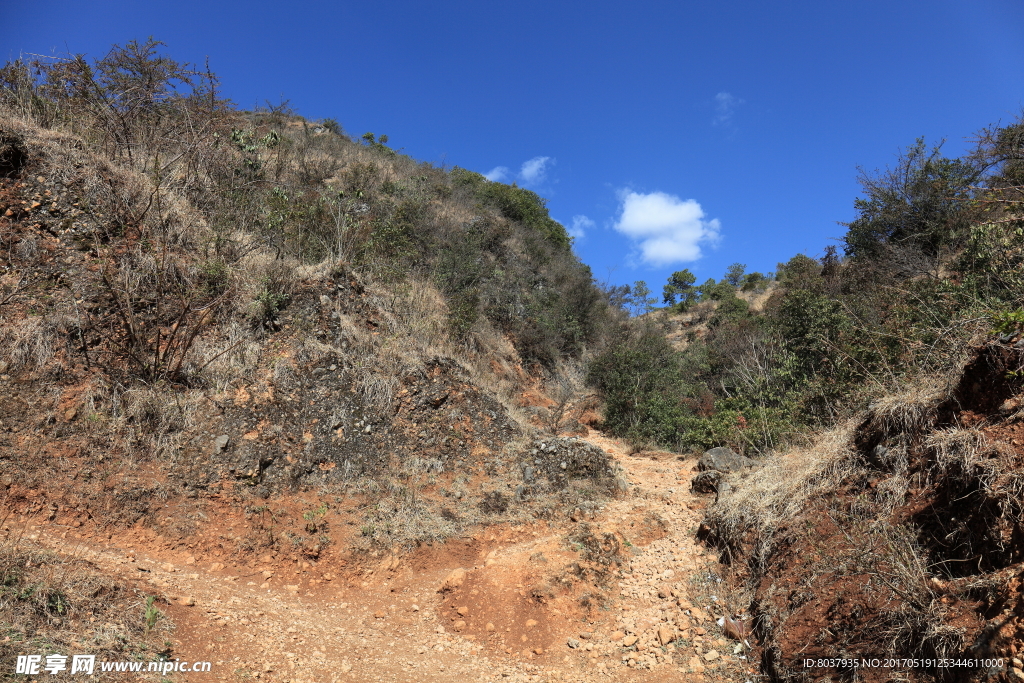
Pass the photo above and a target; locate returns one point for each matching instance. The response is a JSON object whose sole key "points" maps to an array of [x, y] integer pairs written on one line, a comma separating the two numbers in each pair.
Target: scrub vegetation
{"points": [[200, 303]]}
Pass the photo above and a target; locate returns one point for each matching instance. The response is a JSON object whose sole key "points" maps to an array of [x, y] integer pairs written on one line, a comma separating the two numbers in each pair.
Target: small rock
{"points": [[454, 580], [459, 625], [629, 641], [696, 666], [463, 611], [711, 655], [188, 601], [530, 623], [220, 443], [665, 636], [573, 643], [379, 614], [489, 627], [415, 608], [616, 636], [538, 650]]}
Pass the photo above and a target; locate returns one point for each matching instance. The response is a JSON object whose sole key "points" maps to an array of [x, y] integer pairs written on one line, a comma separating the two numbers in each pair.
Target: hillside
{"points": [[260, 378], [897, 533], [297, 404]]}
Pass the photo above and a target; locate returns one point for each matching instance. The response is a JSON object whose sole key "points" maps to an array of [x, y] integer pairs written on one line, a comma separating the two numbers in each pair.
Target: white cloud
{"points": [[580, 225], [666, 228], [725, 107], [497, 174], [534, 171]]}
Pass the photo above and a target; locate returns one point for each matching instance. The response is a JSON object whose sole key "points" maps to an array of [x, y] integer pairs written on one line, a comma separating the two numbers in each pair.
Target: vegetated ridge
{"points": [[248, 337], [882, 388]]}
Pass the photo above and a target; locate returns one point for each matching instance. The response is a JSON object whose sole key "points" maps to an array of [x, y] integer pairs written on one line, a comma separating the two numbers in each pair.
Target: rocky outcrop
{"points": [[724, 459], [713, 465]]}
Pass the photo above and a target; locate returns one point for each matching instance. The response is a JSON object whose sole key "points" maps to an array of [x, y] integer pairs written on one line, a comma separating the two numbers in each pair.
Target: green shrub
{"points": [[640, 377]]}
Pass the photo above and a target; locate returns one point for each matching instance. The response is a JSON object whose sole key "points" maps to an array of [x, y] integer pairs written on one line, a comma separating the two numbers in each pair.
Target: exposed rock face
{"points": [[724, 459], [556, 461], [713, 464], [13, 155], [706, 482]]}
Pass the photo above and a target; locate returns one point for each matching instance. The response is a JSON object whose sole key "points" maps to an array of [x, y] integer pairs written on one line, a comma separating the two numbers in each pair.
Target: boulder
{"points": [[723, 459], [706, 482], [454, 580]]}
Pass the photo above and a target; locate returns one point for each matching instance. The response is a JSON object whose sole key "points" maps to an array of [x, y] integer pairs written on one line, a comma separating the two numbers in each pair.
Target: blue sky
{"points": [[664, 134]]}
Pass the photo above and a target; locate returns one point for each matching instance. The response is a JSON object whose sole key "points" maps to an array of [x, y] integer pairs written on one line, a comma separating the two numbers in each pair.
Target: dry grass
{"points": [[910, 411], [784, 485], [916, 626], [27, 344], [51, 602], [151, 422], [955, 450], [228, 356], [758, 297]]}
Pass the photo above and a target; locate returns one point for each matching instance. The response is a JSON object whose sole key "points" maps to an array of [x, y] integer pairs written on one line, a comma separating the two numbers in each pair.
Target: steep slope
{"points": [[149, 354], [234, 335], [897, 538]]}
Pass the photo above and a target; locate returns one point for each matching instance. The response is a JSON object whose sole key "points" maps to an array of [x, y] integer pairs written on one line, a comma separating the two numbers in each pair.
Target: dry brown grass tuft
{"points": [[910, 411], [955, 450], [228, 356], [27, 344], [151, 422], [784, 485]]}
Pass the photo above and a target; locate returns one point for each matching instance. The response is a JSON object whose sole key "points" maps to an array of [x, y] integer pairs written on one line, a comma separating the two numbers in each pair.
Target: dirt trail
{"points": [[503, 618]]}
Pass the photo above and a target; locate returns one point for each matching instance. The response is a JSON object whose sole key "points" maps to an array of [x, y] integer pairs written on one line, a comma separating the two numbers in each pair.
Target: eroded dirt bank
{"points": [[620, 593]]}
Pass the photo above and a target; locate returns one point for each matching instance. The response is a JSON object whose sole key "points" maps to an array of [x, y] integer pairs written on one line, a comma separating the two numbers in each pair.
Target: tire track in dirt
{"points": [[654, 622]]}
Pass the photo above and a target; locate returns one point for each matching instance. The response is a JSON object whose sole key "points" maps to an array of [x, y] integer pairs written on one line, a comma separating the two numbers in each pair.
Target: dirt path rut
{"points": [[503, 616]]}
